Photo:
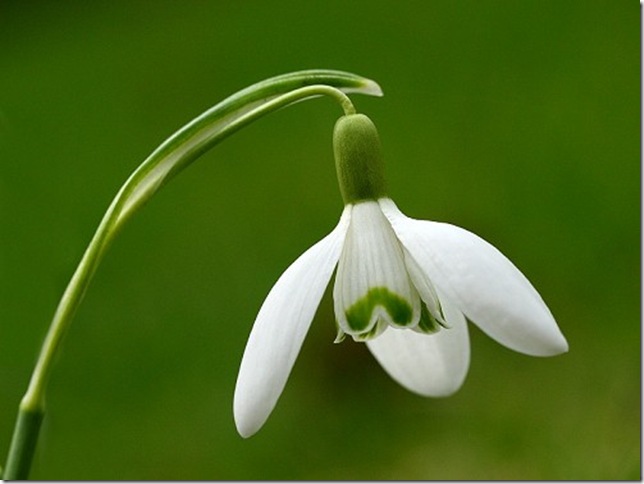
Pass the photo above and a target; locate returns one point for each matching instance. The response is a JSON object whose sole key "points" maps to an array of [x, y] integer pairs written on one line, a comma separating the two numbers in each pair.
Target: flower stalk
{"points": [[172, 156]]}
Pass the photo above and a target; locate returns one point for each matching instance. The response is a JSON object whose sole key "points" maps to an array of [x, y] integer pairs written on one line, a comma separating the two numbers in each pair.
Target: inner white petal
{"points": [[372, 283], [424, 286]]}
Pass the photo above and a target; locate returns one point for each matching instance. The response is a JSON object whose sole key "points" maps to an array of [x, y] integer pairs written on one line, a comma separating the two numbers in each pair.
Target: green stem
{"points": [[23, 444], [175, 154]]}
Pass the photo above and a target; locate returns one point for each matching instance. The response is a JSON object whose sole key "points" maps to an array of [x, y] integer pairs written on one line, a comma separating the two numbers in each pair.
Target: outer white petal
{"points": [[280, 328], [371, 258], [482, 282], [432, 365]]}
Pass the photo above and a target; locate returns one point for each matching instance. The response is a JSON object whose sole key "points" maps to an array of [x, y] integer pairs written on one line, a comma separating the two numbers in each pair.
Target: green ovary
{"points": [[359, 314]]}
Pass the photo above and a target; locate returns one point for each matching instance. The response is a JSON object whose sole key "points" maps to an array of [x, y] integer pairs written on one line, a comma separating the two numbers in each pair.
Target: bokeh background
{"points": [[517, 120]]}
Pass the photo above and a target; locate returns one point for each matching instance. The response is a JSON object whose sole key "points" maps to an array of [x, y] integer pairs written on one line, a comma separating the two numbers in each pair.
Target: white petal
{"points": [[432, 365], [280, 328], [424, 286], [372, 274], [482, 283]]}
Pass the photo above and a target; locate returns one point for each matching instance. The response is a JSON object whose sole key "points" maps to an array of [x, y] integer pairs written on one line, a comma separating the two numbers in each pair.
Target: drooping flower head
{"points": [[403, 286]]}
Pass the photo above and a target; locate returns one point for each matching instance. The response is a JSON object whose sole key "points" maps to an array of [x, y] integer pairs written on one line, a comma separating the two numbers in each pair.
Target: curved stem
{"points": [[175, 154]]}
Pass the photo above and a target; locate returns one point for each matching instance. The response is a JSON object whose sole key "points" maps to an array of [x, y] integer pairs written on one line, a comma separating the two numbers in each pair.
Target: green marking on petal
{"points": [[428, 324], [359, 314], [377, 330]]}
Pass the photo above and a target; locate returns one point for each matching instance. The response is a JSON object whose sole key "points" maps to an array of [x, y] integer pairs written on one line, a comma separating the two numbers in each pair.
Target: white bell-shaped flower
{"points": [[403, 286]]}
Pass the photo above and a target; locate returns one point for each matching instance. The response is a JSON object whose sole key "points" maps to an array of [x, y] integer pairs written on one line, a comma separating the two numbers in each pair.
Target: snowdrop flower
{"points": [[403, 286]]}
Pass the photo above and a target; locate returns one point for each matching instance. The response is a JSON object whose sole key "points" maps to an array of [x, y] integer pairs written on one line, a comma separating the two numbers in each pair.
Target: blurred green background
{"points": [[518, 120]]}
